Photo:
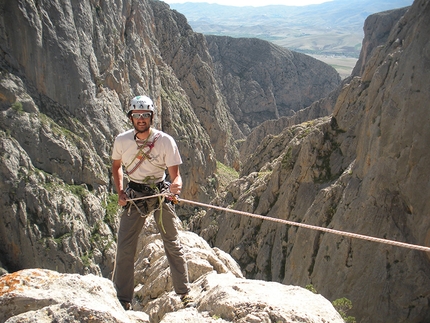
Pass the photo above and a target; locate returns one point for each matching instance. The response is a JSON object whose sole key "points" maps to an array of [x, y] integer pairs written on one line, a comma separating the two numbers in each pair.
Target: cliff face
{"points": [[363, 169], [186, 54], [68, 70], [377, 28], [262, 81], [318, 109]]}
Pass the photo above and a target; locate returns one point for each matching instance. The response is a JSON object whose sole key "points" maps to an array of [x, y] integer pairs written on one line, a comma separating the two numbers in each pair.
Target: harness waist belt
{"points": [[138, 187]]}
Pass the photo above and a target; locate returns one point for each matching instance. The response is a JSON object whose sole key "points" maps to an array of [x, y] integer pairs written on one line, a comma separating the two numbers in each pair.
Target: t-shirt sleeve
{"points": [[173, 156], [117, 150]]}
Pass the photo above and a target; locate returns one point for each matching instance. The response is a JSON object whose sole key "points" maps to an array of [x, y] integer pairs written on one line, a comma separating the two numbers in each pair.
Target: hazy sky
{"points": [[255, 3]]}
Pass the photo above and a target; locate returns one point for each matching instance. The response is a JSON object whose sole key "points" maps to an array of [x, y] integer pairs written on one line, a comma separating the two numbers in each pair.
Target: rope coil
{"points": [[303, 225]]}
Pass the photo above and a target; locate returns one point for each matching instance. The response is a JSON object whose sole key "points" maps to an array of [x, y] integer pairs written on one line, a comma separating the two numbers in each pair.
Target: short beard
{"points": [[141, 131], [147, 127]]}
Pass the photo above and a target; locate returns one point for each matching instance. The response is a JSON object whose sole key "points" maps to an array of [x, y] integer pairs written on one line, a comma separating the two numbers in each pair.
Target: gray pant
{"points": [[129, 229]]}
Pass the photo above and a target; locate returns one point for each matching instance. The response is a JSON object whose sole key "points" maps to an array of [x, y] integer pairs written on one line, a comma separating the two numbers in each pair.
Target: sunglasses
{"points": [[141, 115]]}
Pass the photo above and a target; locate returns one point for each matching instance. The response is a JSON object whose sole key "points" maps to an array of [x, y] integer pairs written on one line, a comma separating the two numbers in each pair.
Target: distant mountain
{"points": [[331, 28]]}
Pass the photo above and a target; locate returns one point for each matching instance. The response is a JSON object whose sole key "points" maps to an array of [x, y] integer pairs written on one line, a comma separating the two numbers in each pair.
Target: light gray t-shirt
{"points": [[164, 153]]}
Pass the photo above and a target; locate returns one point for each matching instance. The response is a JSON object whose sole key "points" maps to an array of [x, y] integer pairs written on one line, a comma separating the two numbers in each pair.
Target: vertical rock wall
{"points": [[364, 169]]}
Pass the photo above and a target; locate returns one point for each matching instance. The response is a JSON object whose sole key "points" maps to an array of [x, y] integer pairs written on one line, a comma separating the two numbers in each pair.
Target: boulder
{"points": [[41, 295], [217, 286]]}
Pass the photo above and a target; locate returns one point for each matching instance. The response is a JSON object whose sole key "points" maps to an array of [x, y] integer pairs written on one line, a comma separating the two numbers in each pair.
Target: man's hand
{"points": [[175, 176], [122, 199], [118, 180], [175, 188]]}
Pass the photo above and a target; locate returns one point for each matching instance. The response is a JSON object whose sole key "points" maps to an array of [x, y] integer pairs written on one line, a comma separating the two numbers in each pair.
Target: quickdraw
{"points": [[172, 198]]}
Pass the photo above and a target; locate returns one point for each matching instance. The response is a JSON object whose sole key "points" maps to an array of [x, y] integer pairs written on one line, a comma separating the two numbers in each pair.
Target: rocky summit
{"points": [[218, 288], [346, 155]]}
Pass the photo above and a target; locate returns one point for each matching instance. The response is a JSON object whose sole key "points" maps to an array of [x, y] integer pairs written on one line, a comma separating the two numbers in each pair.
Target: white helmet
{"points": [[141, 102]]}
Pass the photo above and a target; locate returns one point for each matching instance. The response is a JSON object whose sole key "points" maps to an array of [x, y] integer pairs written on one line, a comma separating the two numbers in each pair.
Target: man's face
{"points": [[141, 120]]}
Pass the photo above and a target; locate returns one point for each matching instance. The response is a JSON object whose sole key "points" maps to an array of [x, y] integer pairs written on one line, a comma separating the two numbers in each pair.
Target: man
{"points": [[145, 153]]}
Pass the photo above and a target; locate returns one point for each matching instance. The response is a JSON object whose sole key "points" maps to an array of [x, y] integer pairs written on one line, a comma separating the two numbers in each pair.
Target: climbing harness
{"points": [[152, 189], [168, 196], [160, 190], [303, 225]]}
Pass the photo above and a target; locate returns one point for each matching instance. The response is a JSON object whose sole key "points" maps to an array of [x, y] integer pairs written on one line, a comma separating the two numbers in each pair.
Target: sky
{"points": [[254, 3]]}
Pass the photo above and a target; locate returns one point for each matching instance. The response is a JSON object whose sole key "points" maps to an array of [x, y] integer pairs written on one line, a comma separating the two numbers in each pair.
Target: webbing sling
{"points": [[145, 156]]}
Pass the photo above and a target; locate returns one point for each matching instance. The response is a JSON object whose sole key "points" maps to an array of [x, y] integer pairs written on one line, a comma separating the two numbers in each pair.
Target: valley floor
{"points": [[343, 65]]}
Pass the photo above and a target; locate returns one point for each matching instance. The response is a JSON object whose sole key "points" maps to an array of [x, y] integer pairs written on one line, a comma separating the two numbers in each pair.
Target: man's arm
{"points": [[176, 179], [118, 177]]}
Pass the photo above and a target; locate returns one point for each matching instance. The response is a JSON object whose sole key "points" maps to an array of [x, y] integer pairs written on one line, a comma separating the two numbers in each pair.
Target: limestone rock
{"points": [[238, 300], [321, 108], [41, 295], [192, 64], [50, 146], [364, 170], [225, 298], [48, 223], [61, 108], [68, 69], [377, 28], [152, 272], [104, 60], [262, 81], [217, 287]]}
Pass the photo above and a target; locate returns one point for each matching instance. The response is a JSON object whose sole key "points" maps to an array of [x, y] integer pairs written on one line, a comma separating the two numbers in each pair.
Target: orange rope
{"points": [[303, 225], [313, 227]]}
